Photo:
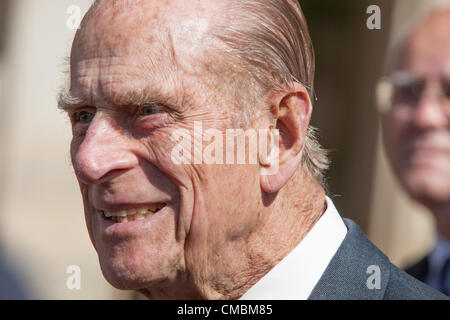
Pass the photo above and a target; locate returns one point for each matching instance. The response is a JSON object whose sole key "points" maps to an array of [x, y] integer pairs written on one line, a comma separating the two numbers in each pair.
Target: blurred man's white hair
{"points": [[416, 12]]}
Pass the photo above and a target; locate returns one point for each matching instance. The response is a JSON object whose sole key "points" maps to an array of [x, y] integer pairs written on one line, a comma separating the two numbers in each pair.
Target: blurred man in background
{"points": [[10, 289], [417, 133]]}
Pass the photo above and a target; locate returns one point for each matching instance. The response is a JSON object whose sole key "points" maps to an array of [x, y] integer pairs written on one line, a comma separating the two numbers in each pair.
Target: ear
{"points": [[292, 112]]}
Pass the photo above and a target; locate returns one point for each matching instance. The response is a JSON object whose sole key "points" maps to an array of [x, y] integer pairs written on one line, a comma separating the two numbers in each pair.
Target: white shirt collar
{"points": [[296, 275]]}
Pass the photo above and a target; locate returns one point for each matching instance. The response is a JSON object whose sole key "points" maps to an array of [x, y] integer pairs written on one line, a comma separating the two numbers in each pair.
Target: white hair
{"points": [[402, 30], [268, 45]]}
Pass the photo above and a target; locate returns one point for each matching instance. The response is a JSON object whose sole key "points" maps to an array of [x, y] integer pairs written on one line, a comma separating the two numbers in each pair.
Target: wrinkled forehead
{"points": [[139, 42], [182, 20], [428, 47]]}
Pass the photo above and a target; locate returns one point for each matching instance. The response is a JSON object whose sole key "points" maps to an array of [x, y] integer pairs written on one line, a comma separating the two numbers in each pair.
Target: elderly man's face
{"points": [[418, 127], [140, 74]]}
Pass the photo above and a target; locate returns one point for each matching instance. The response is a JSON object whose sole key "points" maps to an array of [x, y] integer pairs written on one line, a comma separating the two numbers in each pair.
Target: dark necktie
{"points": [[444, 278]]}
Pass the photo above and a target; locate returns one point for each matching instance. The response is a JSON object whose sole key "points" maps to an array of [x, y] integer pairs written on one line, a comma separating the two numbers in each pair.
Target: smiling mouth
{"points": [[134, 214]]}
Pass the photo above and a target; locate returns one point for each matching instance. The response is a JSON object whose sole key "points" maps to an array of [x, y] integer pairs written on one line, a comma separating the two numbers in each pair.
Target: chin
{"points": [[123, 280], [136, 270]]}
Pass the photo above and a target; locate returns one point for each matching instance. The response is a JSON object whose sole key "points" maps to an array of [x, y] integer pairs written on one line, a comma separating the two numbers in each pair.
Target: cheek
{"points": [[87, 214], [159, 149], [398, 123], [397, 133], [74, 146], [232, 197]]}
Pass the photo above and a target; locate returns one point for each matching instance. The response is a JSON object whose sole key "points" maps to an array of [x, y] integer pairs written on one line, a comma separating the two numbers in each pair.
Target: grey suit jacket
{"points": [[360, 271]]}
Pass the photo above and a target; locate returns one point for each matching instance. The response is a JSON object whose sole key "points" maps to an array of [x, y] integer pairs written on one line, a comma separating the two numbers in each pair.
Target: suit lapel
{"points": [[419, 270], [358, 270]]}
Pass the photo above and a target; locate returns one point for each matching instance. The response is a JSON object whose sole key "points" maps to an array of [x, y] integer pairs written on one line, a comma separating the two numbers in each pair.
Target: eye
{"points": [[84, 116], [416, 88], [446, 88], [412, 91], [150, 109]]}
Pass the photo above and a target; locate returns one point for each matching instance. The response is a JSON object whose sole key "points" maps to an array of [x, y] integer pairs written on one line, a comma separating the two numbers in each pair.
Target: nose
{"points": [[104, 152], [429, 113]]}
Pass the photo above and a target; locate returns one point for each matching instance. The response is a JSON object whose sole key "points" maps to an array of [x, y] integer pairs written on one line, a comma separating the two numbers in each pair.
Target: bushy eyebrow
{"points": [[69, 103]]}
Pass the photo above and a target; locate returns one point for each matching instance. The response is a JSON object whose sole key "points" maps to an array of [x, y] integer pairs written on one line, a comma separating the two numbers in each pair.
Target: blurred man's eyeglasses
{"points": [[406, 89]]}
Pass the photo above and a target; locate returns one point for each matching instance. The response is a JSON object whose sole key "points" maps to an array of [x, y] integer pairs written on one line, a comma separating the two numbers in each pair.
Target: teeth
{"points": [[122, 213], [133, 214], [139, 217]]}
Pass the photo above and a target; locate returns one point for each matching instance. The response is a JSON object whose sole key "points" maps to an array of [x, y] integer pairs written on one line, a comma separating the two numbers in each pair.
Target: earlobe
{"points": [[292, 111], [271, 183]]}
